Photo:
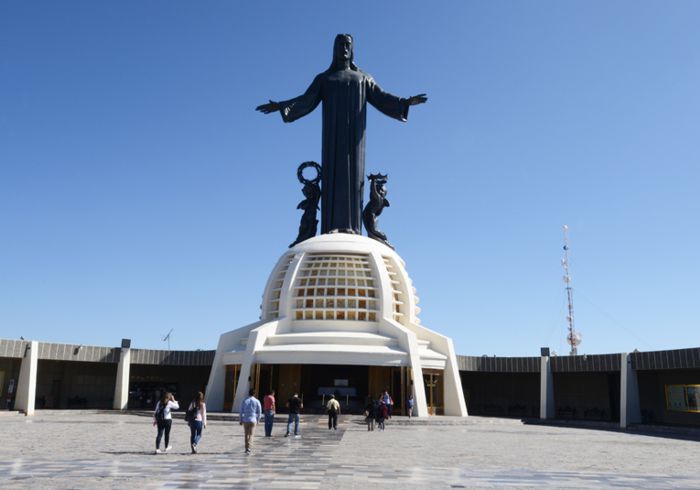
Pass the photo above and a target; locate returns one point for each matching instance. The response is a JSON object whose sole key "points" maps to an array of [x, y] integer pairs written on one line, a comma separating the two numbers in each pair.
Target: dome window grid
{"points": [[396, 293], [273, 306], [335, 287], [400, 299]]}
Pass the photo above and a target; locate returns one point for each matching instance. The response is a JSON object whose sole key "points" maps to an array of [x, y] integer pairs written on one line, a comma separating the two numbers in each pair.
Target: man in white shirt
{"points": [[333, 408]]}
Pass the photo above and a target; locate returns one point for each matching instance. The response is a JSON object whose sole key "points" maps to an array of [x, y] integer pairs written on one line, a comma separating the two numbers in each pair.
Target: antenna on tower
{"points": [[167, 338], [573, 337]]}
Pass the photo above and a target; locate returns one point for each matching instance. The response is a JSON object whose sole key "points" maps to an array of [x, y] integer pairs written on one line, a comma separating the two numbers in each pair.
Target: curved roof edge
{"points": [[688, 358]]}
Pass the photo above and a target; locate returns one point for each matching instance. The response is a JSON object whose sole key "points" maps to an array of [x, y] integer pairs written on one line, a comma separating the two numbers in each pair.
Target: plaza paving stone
{"points": [[91, 449]]}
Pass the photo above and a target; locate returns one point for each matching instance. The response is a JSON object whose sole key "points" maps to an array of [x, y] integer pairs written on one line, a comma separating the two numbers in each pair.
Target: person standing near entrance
{"points": [[371, 413], [251, 413], [382, 414], [389, 402], [409, 405], [295, 405], [333, 411], [269, 411]]}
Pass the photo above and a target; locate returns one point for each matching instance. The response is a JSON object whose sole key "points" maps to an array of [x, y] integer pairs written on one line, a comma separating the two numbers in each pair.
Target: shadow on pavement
{"points": [[666, 432]]}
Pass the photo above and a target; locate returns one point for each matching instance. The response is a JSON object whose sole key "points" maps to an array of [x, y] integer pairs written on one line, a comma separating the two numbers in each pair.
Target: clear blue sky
{"points": [[140, 191]]}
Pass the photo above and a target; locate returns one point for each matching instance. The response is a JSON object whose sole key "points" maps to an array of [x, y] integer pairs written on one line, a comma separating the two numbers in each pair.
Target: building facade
{"points": [[658, 387], [339, 316]]}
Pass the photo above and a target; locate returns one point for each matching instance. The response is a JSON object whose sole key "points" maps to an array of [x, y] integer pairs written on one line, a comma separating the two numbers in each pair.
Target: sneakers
{"points": [[287, 434], [194, 448], [158, 451], [168, 448], [247, 451]]}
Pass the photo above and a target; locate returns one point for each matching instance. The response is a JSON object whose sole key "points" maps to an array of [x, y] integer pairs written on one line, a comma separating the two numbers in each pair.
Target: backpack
{"points": [[191, 413], [160, 413]]}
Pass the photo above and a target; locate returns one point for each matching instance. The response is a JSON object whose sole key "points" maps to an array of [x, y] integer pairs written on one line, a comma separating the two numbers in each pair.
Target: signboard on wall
{"points": [[683, 398]]}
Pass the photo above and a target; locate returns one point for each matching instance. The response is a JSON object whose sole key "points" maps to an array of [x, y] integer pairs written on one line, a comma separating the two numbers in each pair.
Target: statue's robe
{"points": [[344, 94]]}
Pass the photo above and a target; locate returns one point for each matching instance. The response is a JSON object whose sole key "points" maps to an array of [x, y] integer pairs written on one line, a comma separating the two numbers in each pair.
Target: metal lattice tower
{"points": [[573, 337]]}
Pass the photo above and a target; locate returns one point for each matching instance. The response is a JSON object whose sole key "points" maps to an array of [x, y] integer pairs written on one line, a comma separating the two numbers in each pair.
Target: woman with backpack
{"points": [[197, 417], [164, 419]]}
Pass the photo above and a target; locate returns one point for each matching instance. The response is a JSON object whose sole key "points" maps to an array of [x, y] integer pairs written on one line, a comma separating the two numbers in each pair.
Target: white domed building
{"points": [[339, 316]]}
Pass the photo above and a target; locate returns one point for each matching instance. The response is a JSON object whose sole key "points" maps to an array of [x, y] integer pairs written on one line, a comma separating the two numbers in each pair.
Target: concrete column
{"points": [[546, 389], [26, 387], [121, 389], [630, 410]]}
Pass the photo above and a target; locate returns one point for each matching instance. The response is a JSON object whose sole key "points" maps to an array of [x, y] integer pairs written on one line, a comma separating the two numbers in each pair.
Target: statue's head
{"points": [[343, 51]]}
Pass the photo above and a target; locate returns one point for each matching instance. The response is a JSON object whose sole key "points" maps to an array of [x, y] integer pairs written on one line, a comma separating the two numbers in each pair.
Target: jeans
{"points": [[269, 420], [293, 417], [164, 427], [196, 431], [332, 420]]}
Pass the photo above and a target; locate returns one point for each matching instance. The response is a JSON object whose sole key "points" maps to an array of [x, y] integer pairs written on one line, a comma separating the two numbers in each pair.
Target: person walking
{"points": [[269, 411], [389, 402], [199, 421], [333, 408], [382, 414], [163, 419], [251, 413], [370, 414], [409, 406], [295, 405]]}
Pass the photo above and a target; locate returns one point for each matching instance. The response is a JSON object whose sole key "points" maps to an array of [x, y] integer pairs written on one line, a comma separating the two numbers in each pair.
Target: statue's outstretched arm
{"points": [[391, 105]]}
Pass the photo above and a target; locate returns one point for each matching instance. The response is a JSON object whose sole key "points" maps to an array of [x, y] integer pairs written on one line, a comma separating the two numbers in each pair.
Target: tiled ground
{"points": [[83, 449]]}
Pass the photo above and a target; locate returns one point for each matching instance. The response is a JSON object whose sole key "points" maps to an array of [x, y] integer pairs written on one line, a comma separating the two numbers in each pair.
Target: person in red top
{"points": [[269, 411]]}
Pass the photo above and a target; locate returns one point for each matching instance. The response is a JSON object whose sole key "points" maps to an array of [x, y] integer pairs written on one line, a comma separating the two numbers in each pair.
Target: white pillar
{"points": [[454, 395], [121, 389], [420, 408], [630, 410], [546, 389], [26, 387]]}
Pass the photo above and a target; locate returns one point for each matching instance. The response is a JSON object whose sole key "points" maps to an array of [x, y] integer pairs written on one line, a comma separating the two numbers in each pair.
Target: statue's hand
{"points": [[268, 108], [417, 99]]}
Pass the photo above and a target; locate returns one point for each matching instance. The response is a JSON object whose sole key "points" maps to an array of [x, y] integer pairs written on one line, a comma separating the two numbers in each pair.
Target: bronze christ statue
{"points": [[344, 90]]}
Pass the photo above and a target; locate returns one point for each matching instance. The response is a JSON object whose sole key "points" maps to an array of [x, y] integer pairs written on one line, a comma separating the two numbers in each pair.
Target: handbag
{"points": [[191, 413]]}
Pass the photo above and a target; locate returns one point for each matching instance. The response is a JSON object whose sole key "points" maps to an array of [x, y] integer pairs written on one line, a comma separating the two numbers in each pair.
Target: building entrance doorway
{"points": [[353, 386], [434, 391]]}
